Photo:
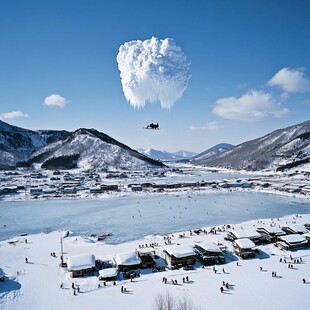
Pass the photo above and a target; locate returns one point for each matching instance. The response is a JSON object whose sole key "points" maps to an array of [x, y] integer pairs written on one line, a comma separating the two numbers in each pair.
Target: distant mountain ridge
{"points": [[280, 149], [215, 150], [83, 148], [167, 156]]}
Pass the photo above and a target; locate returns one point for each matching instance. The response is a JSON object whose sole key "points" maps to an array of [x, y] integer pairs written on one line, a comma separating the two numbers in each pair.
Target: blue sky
{"points": [[250, 68]]}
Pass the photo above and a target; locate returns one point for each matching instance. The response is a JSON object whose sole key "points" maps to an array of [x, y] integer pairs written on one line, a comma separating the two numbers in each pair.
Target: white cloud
{"points": [[291, 80], [55, 100], [153, 71], [14, 114], [210, 126], [252, 106]]}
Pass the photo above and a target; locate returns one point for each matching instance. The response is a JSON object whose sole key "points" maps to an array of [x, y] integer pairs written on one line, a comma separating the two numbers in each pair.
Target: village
{"points": [[44, 184]]}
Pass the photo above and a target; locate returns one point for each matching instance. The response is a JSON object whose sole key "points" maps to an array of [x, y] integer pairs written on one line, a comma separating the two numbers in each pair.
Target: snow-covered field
{"points": [[36, 284]]}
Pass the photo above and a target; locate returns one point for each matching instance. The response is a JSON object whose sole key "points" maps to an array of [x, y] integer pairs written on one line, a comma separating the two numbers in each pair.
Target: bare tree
{"points": [[185, 303], [169, 302], [164, 302]]}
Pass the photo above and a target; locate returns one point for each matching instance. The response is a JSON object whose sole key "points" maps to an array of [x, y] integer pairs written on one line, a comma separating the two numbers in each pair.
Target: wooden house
{"points": [[271, 233], [244, 248], [251, 234], [80, 265], [128, 261], [209, 253], [177, 255], [294, 242]]}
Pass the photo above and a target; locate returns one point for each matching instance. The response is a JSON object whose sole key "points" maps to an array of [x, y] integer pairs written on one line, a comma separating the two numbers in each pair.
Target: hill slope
{"points": [[289, 146]]}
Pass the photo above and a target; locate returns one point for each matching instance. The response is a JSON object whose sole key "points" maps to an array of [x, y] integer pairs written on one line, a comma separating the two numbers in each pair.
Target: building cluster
{"points": [[242, 243]]}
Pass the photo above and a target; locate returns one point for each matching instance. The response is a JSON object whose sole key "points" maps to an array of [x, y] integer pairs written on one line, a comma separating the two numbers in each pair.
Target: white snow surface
{"points": [[36, 285]]}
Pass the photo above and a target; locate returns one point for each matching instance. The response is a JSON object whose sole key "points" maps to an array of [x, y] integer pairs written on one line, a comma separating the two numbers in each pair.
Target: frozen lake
{"points": [[133, 217]]}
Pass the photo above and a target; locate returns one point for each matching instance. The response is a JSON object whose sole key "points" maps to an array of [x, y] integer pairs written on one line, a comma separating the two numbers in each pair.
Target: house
{"points": [[108, 274], [96, 190], [1, 275], [294, 242], [128, 261], [209, 253], [251, 234], [146, 255], [295, 229], [80, 265], [271, 233], [179, 255], [244, 248]]}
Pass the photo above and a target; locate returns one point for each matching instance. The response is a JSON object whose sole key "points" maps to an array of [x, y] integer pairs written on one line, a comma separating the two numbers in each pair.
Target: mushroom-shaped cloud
{"points": [[153, 70]]}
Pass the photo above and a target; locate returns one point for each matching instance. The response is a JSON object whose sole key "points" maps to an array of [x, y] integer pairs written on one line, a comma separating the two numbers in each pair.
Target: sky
{"points": [[238, 69]]}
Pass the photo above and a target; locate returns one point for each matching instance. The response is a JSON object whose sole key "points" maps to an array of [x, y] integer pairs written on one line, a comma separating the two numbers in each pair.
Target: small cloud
{"points": [[210, 126], [14, 114], [291, 80], [252, 106], [55, 100]]}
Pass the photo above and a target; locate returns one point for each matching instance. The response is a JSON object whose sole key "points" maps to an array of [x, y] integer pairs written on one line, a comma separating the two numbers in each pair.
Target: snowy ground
{"points": [[36, 285]]}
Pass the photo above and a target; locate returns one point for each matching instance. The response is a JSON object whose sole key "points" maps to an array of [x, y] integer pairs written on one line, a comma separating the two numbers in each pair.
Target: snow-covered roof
{"points": [[79, 262], [180, 251], [210, 247], [274, 230], [128, 259], [297, 228], [108, 272], [245, 243], [295, 238], [246, 233]]}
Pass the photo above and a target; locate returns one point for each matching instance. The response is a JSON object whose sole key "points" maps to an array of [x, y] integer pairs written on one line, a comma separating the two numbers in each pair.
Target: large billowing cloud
{"points": [[252, 106], [14, 114], [55, 100], [153, 71], [291, 80]]}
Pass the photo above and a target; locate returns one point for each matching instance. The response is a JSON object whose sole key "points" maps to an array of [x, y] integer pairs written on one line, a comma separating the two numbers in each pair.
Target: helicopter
{"points": [[153, 126]]}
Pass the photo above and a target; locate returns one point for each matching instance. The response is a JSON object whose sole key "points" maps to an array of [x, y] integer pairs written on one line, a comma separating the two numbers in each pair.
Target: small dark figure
{"points": [[187, 279], [260, 268], [237, 264], [72, 285], [280, 260], [26, 241], [183, 279], [61, 285], [104, 283], [221, 289], [78, 289], [227, 285], [26, 260], [224, 283], [74, 292], [114, 283], [303, 281], [122, 289], [224, 270]]}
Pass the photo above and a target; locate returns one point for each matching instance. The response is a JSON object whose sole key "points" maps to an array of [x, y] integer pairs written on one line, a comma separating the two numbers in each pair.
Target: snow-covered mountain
{"points": [[17, 144], [167, 156], [84, 148], [281, 149], [217, 149]]}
